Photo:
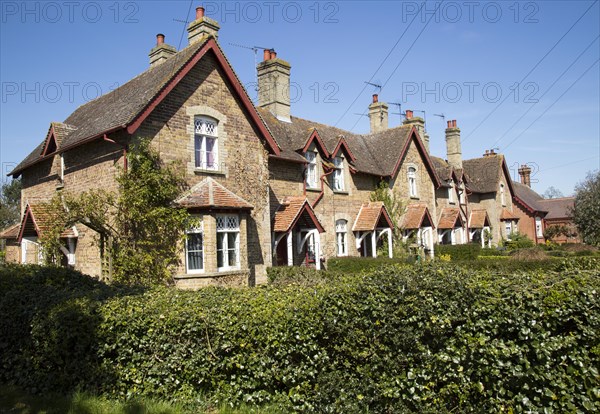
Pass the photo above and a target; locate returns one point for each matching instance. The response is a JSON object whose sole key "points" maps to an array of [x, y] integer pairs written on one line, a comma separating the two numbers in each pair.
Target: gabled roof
{"points": [[479, 219], [558, 208], [378, 154], [371, 216], [316, 139], [508, 215], [209, 194], [416, 216], [528, 198], [449, 218], [126, 107], [343, 146], [38, 219], [484, 173], [11, 232], [293, 211]]}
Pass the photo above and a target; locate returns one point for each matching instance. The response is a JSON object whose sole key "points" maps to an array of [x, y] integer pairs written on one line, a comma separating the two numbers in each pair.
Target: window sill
{"points": [[210, 275], [60, 186], [313, 189], [342, 192], [199, 171], [414, 198]]}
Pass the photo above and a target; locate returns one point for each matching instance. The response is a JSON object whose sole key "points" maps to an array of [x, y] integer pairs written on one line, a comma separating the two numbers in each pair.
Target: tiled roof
{"points": [[11, 232], [529, 197], [121, 107], [209, 194], [448, 218], [371, 216], [37, 220], [484, 173], [293, 211], [479, 219], [558, 208], [375, 154], [416, 216], [443, 169], [508, 215]]}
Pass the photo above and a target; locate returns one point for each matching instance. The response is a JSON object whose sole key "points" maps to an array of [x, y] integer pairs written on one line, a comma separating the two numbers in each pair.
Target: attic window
{"points": [[311, 170], [205, 144], [338, 174], [412, 182]]}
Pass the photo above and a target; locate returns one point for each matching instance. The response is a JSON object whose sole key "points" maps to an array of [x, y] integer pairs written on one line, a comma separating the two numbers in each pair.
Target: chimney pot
{"points": [[409, 114], [375, 98], [266, 54], [160, 39], [454, 123], [449, 124], [199, 12], [273, 54]]}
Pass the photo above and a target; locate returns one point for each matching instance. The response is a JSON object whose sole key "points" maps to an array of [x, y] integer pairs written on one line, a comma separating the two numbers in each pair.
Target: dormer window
{"points": [[412, 182], [338, 174], [502, 197], [206, 144], [311, 169], [462, 194]]}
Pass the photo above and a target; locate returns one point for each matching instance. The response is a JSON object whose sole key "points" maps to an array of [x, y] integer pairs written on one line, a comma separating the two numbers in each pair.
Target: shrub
{"points": [[361, 264], [428, 338], [491, 252], [518, 241], [285, 275], [532, 253], [459, 251]]}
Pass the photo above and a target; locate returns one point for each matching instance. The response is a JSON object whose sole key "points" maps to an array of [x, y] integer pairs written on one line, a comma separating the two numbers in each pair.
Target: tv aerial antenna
{"points": [[375, 85], [255, 49], [441, 116], [399, 105]]}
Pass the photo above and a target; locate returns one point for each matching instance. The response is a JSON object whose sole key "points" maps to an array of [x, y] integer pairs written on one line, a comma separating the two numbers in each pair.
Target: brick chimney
{"points": [[525, 173], [453, 147], [202, 26], [161, 51], [419, 124], [378, 115], [274, 85]]}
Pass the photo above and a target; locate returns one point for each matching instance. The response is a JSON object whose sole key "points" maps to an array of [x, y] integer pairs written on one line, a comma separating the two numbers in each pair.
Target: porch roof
{"points": [[508, 215], [416, 216], [479, 219], [294, 211], [449, 217], [209, 194], [371, 216]]}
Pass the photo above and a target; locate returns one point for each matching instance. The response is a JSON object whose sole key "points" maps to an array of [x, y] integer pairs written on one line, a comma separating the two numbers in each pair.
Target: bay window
{"points": [[194, 250], [228, 242]]}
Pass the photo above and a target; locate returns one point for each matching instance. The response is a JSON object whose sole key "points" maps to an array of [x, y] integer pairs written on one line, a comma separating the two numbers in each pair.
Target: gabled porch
{"points": [[371, 225]]}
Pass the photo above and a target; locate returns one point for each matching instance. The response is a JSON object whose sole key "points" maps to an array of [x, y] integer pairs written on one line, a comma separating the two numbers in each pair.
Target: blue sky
{"points": [[485, 64]]}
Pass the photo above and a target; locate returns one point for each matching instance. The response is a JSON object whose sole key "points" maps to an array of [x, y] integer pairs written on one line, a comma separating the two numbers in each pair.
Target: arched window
{"points": [[341, 237], [412, 181], [206, 146]]}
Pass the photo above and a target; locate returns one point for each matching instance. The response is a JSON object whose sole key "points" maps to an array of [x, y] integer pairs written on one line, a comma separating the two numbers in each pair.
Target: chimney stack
{"points": [[161, 51], [274, 85], [525, 173], [378, 115], [203, 25], [419, 124], [489, 153], [453, 147]]}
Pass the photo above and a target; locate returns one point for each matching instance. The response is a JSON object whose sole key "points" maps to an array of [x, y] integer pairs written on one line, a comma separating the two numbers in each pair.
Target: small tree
{"points": [[10, 203], [394, 206], [586, 213], [139, 227], [552, 192]]}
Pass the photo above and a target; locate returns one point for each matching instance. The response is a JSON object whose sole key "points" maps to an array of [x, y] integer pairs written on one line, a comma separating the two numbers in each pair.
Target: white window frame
{"points": [[205, 129], [228, 224], [338, 174], [539, 231], [62, 168], [341, 237], [508, 228], [311, 169], [195, 230], [451, 192], [502, 197], [412, 182]]}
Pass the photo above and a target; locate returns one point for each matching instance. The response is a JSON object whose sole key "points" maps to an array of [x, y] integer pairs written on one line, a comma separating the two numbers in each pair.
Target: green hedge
{"points": [[430, 338], [459, 251], [363, 264]]}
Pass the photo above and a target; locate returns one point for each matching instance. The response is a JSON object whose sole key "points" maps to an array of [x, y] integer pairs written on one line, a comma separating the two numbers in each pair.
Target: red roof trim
{"points": [[306, 207], [238, 88], [50, 138], [314, 136], [342, 144], [386, 216], [28, 213], [428, 164], [524, 204]]}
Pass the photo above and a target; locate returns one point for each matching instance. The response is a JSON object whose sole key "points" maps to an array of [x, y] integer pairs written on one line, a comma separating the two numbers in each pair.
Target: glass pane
{"points": [[194, 251], [232, 249], [220, 252], [211, 158], [198, 151]]}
